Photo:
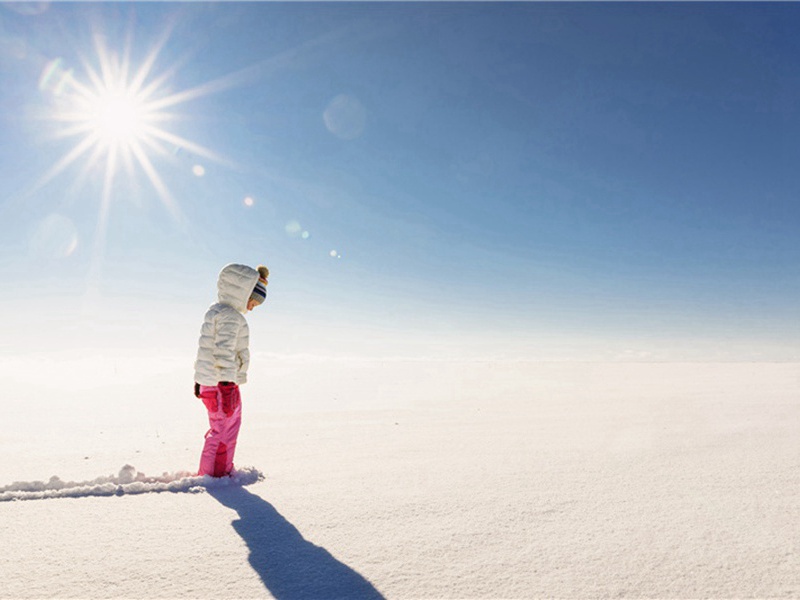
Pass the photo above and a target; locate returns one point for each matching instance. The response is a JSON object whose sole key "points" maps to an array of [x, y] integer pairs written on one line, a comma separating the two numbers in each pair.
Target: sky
{"points": [[549, 180]]}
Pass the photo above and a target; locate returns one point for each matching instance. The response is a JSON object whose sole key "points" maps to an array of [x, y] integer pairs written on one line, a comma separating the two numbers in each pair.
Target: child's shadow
{"points": [[290, 566]]}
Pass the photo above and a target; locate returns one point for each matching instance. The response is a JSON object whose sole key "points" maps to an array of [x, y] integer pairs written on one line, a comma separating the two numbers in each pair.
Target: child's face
{"points": [[251, 304]]}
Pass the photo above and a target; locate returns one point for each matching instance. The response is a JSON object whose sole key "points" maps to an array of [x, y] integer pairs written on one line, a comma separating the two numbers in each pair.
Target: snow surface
{"points": [[409, 479]]}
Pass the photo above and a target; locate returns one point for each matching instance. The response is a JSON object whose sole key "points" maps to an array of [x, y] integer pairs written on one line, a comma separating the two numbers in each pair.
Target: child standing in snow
{"points": [[222, 361]]}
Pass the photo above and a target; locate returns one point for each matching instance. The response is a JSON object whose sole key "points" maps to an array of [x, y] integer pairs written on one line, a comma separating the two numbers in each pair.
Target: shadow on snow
{"points": [[290, 566]]}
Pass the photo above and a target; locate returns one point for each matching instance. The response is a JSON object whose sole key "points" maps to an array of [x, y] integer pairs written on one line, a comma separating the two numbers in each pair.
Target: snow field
{"points": [[463, 480]]}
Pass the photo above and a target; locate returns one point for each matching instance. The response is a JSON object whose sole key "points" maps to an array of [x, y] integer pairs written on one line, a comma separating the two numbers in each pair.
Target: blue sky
{"points": [[548, 179]]}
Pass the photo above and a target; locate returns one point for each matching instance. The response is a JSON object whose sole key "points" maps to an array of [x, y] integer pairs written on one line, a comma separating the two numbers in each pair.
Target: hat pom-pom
{"points": [[263, 271]]}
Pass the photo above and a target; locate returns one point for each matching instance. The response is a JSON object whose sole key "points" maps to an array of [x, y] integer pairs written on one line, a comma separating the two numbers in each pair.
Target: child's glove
{"points": [[229, 395], [209, 399]]}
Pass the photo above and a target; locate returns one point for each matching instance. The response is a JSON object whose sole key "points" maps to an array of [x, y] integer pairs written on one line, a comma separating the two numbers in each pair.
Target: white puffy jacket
{"points": [[223, 353]]}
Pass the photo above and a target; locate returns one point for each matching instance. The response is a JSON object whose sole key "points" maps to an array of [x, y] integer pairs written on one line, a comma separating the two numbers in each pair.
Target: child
{"points": [[222, 361]]}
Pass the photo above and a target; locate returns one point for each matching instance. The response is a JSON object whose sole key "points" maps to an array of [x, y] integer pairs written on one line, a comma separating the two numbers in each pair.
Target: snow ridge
{"points": [[128, 481]]}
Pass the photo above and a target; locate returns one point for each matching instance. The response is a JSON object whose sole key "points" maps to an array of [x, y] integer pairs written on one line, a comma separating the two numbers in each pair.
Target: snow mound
{"points": [[128, 481]]}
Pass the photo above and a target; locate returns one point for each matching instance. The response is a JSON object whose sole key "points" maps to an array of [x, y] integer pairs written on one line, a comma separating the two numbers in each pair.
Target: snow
{"points": [[128, 481], [405, 478]]}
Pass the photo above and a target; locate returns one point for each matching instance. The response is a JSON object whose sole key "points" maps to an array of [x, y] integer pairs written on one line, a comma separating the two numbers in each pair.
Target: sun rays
{"points": [[118, 115]]}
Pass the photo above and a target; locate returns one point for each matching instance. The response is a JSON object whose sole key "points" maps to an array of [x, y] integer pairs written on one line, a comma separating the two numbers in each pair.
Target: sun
{"points": [[119, 116]]}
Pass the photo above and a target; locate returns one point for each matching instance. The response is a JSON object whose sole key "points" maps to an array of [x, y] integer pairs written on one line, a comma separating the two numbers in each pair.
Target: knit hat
{"points": [[260, 291]]}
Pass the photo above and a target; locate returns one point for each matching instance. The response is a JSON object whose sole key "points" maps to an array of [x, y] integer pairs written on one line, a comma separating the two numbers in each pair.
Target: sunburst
{"points": [[118, 116]]}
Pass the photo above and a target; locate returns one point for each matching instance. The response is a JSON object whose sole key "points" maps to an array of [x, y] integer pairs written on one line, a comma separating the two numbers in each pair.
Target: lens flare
{"points": [[293, 228], [345, 117], [55, 237]]}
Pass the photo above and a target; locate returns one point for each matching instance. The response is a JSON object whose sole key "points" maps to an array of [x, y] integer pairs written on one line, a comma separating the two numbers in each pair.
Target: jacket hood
{"points": [[235, 284]]}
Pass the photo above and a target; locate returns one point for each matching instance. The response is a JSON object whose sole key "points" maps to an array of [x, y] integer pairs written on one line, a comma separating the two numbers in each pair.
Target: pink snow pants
{"points": [[224, 405]]}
